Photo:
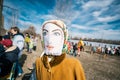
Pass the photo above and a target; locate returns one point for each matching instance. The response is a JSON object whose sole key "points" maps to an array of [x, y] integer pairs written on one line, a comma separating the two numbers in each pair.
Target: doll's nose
{"points": [[49, 39]]}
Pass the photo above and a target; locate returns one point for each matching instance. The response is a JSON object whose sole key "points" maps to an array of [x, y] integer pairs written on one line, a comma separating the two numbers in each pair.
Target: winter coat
{"points": [[7, 59], [2, 49], [60, 68], [80, 43], [27, 39]]}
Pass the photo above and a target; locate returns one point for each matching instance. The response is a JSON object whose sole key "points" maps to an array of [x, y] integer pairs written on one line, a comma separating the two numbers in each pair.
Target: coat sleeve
{"points": [[79, 72], [37, 66]]}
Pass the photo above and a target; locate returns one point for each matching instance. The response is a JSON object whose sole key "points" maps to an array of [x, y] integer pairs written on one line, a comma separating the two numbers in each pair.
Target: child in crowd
{"points": [[31, 45]]}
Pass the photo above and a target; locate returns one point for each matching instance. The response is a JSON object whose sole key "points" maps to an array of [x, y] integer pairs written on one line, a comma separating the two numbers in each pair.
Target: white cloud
{"points": [[81, 27], [101, 4], [96, 13], [48, 17], [64, 10], [108, 18], [94, 28]]}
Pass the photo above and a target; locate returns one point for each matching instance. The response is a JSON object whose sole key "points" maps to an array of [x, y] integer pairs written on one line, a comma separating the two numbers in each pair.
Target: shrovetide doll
{"points": [[54, 64]]}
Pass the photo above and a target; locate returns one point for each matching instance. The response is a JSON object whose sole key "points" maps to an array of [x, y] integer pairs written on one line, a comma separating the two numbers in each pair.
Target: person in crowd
{"points": [[8, 56], [112, 50], [35, 40], [2, 49], [27, 41], [118, 51], [75, 49], [31, 45], [71, 48], [93, 49], [109, 50], [0, 38], [55, 64], [99, 49], [78, 49], [18, 40], [106, 52], [80, 46], [103, 50]]}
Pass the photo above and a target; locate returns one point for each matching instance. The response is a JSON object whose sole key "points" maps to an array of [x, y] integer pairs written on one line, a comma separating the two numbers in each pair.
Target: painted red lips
{"points": [[49, 47]]}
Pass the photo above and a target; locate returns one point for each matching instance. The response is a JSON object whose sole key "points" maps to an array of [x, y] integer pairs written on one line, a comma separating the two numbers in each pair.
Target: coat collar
{"points": [[56, 60]]}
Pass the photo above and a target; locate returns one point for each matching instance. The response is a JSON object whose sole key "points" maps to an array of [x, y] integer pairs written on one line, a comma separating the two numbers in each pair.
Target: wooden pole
{"points": [[1, 18]]}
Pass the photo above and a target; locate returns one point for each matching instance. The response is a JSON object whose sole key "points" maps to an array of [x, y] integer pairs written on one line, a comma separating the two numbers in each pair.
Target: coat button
{"points": [[49, 70]]}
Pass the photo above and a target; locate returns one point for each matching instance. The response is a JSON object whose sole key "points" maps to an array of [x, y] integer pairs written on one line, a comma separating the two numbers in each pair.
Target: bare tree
{"points": [[30, 30]]}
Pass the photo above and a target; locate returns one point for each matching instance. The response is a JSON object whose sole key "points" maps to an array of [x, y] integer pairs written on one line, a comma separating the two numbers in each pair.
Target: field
{"points": [[98, 68]]}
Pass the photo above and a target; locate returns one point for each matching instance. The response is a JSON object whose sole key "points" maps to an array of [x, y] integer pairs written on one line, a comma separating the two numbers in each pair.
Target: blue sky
{"points": [[84, 18]]}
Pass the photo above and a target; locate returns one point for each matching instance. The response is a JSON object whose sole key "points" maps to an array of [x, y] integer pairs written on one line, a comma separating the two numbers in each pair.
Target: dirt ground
{"points": [[98, 68], [95, 66]]}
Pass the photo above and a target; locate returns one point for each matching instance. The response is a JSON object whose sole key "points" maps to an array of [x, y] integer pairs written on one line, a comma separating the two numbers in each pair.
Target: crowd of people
{"points": [[13, 44], [11, 48], [106, 50], [76, 48], [30, 42]]}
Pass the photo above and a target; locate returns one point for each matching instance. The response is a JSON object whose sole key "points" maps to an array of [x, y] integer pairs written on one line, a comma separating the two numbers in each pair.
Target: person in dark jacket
{"points": [[18, 40], [7, 57], [75, 49], [2, 49]]}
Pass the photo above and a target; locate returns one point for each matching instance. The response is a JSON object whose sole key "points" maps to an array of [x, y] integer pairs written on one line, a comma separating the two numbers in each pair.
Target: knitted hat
{"points": [[60, 24], [7, 42]]}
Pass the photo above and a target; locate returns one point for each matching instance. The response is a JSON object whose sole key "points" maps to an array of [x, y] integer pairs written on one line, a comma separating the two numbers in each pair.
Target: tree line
{"points": [[117, 42]]}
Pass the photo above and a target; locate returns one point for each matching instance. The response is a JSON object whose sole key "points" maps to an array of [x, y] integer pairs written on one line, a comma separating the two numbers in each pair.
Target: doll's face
{"points": [[53, 37]]}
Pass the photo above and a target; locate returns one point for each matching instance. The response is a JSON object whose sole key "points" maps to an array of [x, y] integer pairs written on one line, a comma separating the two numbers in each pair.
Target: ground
{"points": [[95, 66]]}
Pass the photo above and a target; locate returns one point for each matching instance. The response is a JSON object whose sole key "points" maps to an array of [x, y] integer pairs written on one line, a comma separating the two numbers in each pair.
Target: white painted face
{"points": [[53, 39]]}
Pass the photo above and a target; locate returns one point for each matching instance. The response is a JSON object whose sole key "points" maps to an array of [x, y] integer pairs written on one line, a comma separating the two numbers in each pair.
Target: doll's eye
{"points": [[44, 33], [56, 33]]}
